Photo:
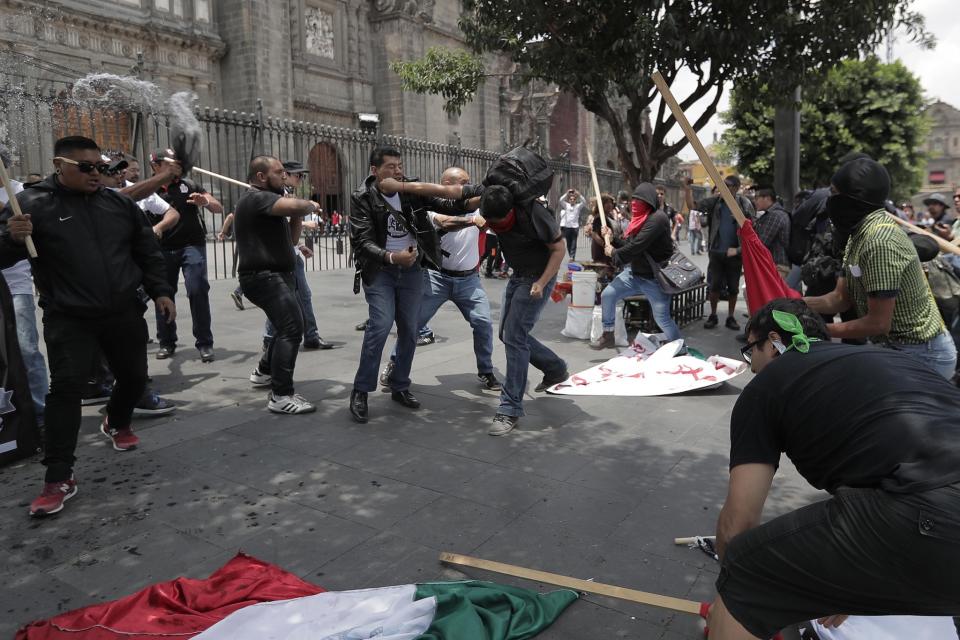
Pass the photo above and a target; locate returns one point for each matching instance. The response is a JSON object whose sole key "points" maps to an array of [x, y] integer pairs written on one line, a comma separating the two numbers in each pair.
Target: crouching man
{"points": [[876, 429]]}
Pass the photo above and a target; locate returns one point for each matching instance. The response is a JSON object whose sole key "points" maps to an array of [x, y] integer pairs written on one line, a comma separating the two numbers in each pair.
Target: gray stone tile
{"points": [[439, 471], [507, 489], [33, 597], [554, 463], [577, 509], [452, 524], [386, 559], [378, 455]]}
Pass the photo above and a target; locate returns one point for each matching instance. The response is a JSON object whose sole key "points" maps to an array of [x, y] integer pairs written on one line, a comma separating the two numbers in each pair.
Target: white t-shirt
{"points": [[461, 248], [19, 277], [152, 204], [398, 239], [570, 214]]}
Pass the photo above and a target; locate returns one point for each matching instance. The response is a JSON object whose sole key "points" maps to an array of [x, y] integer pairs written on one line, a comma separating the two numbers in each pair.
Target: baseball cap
{"points": [[292, 167], [162, 154]]}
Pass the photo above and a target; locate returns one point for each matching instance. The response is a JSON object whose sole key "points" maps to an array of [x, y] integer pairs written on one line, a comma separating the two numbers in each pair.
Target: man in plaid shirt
{"points": [[882, 280], [773, 227]]}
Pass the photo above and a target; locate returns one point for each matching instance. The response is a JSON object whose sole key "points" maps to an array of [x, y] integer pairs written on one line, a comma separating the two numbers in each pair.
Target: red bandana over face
{"points": [[639, 212], [505, 224]]}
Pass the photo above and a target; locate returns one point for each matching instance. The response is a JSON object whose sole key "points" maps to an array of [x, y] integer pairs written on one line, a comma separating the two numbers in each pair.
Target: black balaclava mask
{"points": [[862, 187]]}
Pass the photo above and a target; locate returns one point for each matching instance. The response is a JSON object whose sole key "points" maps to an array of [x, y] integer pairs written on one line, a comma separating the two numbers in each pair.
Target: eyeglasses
{"points": [[86, 167], [746, 351]]}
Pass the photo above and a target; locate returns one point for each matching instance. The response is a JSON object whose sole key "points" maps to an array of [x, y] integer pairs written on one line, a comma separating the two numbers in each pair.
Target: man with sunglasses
{"points": [[94, 252], [185, 249], [877, 430]]}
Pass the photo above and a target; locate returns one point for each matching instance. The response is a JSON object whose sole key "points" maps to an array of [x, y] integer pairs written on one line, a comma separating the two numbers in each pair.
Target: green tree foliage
{"points": [[603, 51], [859, 105], [455, 75]]}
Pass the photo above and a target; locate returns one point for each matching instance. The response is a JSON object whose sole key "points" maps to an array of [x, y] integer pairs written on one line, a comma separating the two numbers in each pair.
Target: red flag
{"points": [[759, 272], [180, 608]]}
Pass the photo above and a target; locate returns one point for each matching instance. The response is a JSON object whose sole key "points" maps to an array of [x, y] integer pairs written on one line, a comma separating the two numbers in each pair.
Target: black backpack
{"points": [[524, 173], [803, 226]]}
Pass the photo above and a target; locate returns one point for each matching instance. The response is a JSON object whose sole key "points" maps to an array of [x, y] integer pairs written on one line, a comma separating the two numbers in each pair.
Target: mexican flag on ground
{"points": [[248, 599]]}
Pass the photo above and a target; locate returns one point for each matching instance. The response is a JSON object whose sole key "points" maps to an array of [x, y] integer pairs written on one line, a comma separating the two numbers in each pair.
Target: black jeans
{"points": [[71, 345], [276, 294], [571, 235]]}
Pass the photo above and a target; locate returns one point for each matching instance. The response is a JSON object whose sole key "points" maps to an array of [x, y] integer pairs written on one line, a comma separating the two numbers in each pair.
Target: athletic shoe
{"points": [[732, 324], [425, 339], [489, 381], [295, 403], [166, 351], [152, 404], [502, 425], [386, 373], [258, 379], [712, 321], [123, 439], [237, 297], [52, 497], [99, 395], [549, 382], [206, 354]]}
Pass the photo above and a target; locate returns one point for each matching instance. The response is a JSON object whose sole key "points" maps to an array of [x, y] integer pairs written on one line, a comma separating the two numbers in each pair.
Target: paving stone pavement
{"points": [[591, 487]]}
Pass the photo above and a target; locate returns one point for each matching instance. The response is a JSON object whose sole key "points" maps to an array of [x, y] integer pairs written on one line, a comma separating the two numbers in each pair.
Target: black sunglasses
{"points": [[86, 167], [746, 351]]}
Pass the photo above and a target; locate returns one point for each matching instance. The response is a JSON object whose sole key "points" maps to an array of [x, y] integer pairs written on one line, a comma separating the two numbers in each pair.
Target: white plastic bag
{"points": [[619, 326], [578, 323]]}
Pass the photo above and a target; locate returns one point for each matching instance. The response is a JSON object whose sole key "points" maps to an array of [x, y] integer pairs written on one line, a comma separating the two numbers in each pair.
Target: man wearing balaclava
{"points": [[882, 277]]}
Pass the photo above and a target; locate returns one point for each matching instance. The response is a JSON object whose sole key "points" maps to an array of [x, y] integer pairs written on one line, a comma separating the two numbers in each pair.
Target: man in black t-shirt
{"points": [[185, 248], [531, 242], [266, 276], [878, 431]]}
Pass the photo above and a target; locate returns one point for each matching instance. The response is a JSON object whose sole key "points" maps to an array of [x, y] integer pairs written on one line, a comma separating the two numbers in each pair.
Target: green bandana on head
{"points": [[791, 323]]}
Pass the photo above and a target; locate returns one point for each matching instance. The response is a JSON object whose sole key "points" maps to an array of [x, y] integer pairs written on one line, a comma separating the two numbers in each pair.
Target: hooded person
{"points": [[882, 279], [645, 242]]}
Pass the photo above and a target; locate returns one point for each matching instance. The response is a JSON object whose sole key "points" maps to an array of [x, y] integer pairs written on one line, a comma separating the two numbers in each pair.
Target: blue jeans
{"points": [[467, 293], [626, 284], [518, 314], [939, 353], [33, 362], [305, 296], [696, 240], [394, 295], [193, 261]]}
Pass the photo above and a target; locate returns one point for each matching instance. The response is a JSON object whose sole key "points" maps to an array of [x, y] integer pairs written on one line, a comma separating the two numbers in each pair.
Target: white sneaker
{"points": [[289, 404], [260, 379]]}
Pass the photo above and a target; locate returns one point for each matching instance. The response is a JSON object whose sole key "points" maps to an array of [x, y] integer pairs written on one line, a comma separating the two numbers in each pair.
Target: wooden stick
{"points": [[945, 245], [596, 190], [220, 177], [692, 539], [698, 147], [8, 186], [598, 588]]}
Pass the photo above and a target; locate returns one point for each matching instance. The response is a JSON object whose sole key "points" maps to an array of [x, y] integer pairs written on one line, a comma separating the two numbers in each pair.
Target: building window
{"points": [[178, 8], [319, 30], [937, 177], [201, 10], [162, 5]]}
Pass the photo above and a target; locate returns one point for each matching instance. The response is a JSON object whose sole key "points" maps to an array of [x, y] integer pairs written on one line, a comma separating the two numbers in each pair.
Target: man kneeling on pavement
{"points": [[876, 429]]}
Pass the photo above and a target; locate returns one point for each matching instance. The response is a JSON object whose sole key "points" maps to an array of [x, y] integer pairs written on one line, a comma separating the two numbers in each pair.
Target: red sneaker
{"points": [[52, 497], [123, 439]]}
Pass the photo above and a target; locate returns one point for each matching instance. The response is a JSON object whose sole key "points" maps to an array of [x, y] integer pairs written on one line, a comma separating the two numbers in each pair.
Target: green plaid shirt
{"points": [[880, 258]]}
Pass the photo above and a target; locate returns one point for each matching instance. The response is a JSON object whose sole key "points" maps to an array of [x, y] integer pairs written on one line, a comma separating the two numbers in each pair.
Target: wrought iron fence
{"points": [[336, 158]]}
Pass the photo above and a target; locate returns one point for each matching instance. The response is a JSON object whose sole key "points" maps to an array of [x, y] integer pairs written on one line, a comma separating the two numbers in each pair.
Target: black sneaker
{"points": [[502, 425], [97, 395], [152, 404], [711, 322], [166, 351], [425, 339], [489, 381], [548, 382], [732, 324], [206, 354]]}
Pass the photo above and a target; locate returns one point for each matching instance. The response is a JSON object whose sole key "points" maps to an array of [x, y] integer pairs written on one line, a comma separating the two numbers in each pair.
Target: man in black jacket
{"points": [[646, 238], [94, 250], [391, 235]]}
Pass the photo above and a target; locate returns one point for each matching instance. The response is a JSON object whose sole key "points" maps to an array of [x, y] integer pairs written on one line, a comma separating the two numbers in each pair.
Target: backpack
{"points": [[524, 173], [803, 223], [945, 286]]}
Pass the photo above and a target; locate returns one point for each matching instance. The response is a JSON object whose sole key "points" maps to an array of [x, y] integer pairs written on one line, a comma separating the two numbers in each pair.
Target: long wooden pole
{"points": [[598, 588], [220, 177], [596, 190], [945, 245], [698, 147], [8, 187]]}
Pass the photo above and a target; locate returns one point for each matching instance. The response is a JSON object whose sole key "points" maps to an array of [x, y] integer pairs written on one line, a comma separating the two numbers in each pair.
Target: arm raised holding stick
{"points": [[18, 216]]}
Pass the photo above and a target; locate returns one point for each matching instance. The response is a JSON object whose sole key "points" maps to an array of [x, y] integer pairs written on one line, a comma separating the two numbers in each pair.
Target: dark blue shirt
{"points": [[727, 231]]}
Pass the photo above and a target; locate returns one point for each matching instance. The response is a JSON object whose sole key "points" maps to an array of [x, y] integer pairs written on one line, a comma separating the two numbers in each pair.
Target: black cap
{"points": [[293, 167], [646, 192], [863, 179], [162, 154], [117, 166], [927, 248]]}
